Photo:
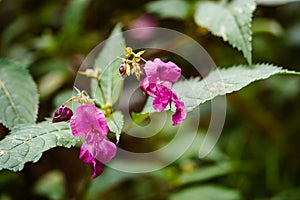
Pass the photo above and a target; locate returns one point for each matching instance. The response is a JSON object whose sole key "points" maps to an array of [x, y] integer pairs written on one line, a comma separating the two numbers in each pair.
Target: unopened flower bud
{"points": [[122, 69], [63, 113]]}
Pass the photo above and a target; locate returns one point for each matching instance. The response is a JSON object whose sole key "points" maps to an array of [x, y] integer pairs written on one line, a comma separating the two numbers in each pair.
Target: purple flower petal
{"points": [[148, 88], [145, 86], [162, 98], [158, 83], [106, 150], [161, 72], [89, 159], [88, 118], [180, 112], [89, 121]]}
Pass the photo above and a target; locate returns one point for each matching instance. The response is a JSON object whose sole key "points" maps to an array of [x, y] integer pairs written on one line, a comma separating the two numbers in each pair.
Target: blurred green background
{"points": [[257, 156]]}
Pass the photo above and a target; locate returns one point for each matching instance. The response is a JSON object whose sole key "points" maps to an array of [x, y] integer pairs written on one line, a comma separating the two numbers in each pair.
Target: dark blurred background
{"points": [[257, 156]]}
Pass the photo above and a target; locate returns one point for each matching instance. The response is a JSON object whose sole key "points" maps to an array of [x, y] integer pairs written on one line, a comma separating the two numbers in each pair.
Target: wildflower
{"points": [[63, 113], [89, 122], [158, 83]]}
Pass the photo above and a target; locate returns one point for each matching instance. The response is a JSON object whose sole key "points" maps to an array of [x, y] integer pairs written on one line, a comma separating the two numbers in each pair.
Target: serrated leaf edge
{"points": [[21, 164], [245, 40], [279, 68], [2, 85]]}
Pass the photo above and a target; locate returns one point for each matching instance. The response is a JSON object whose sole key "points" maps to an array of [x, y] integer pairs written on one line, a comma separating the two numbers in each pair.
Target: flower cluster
{"points": [[158, 83], [90, 123], [131, 64]]}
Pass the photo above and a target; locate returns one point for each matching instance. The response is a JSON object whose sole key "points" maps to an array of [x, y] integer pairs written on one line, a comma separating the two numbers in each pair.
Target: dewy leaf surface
{"points": [[231, 21], [18, 95], [108, 61], [194, 92], [27, 143]]}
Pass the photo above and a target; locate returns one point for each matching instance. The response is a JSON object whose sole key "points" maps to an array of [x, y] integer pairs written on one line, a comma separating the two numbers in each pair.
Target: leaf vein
{"points": [[9, 98]]}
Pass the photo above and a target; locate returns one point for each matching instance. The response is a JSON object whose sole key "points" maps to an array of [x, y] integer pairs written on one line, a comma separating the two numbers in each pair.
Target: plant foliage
{"points": [[18, 95], [231, 21], [27, 143]]}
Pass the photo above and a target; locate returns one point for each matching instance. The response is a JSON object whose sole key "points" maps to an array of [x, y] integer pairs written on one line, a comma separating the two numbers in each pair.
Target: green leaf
{"points": [[51, 185], [165, 9], [74, 16], [14, 29], [108, 61], [223, 81], [212, 192], [206, 173], [18, 95], [27, 143], [288, 194], [139, 117], [265, 25], [231, 21], [115, 123]]}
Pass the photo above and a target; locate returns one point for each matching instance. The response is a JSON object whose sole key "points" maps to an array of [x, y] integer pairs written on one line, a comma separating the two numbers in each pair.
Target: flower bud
{"points": [[63, 113], [122, 69]]}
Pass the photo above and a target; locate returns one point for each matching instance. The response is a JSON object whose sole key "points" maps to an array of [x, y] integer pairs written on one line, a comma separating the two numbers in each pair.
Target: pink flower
{"points": [[143, 23], [89, 122], [158, 83]]}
